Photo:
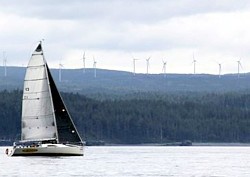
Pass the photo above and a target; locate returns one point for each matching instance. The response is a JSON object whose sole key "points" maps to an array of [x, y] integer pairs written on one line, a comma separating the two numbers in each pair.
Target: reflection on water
{"points": [[134, 161]]}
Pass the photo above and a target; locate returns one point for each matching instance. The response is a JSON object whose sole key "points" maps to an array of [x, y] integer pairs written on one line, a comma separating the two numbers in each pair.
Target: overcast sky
{"points": [[115, 31]]}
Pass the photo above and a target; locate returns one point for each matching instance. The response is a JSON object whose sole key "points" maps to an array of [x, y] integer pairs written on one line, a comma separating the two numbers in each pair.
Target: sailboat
{"points": [[46, 126]]}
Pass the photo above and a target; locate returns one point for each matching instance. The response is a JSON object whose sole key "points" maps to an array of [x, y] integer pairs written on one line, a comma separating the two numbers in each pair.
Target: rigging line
{"points": [[31, 98], [34, 140], [36, 79], [36, 66], [35, 117], [37, 98], [37, 92], [37, 54]]}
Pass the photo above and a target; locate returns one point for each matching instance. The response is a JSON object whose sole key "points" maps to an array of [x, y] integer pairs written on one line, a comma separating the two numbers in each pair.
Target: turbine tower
{"points": [[194, 62], [5, 64], [239, 66], [219, 70], [83, 62], [60, 72], [94, 66], [147, 60], [164, 67], [134, 60]]}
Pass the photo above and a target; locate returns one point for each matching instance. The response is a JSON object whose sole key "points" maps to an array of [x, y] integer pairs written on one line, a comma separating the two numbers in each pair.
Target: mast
{"points": [[53, 109]]}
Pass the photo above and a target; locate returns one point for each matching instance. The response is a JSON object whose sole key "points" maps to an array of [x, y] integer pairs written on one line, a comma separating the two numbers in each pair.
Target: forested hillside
{"points": [[147, 117], [120, 82]]}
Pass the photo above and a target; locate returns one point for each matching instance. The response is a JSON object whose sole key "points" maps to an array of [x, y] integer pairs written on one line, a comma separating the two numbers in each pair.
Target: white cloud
{"points": [[114, 30]]}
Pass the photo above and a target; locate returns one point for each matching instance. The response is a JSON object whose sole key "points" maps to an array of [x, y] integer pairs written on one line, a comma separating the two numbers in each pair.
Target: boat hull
{"points": [[48, 150]]}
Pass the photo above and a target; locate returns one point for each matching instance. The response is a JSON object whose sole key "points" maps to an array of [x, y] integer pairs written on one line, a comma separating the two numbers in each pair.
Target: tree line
{"points": [[146, 117]]}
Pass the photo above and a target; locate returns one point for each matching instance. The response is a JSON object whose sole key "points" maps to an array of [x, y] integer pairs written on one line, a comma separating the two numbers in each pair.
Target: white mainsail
{"points": [[38, 119]]}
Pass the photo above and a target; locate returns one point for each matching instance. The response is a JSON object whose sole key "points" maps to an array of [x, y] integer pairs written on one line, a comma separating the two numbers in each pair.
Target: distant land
{"points": [[121, 82], [120, 108]]}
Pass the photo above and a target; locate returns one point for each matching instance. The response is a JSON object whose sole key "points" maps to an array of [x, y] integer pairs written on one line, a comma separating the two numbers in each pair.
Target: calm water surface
{"points": [[135, 161]]}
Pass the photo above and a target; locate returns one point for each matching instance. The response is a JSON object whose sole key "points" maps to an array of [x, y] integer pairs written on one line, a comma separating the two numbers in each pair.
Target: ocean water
{"points": [[135, 161]]}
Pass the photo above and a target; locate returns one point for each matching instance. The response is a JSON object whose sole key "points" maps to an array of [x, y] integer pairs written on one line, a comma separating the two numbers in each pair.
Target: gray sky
{"points": [[115, 31]]}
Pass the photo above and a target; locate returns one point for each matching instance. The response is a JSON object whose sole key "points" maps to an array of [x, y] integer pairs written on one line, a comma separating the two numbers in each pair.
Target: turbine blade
{"points": [[240, 65]]}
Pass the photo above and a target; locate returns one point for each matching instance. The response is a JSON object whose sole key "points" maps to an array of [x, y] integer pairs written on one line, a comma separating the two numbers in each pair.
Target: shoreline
{"points": [[179, 144], [212, 144]]}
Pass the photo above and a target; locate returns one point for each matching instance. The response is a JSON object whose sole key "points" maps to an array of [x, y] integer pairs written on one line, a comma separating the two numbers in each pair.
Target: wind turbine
{"points": [[83, 60], [164, 67], [194, 62], [94, 66], [5, 64], [147, 60], [239, 66], [219, 70], [134, 59], [60, 72]]}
